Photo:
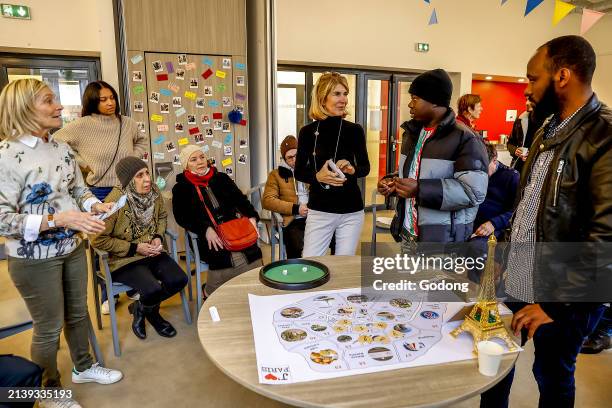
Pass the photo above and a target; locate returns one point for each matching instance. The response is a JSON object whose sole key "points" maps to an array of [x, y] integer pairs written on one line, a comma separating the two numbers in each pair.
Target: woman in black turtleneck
{"points": [[335, 204]]}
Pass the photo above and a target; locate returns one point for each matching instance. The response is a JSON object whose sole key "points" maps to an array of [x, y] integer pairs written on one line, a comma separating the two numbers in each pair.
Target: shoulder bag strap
{"points": [[114, 156], [205, 206]]}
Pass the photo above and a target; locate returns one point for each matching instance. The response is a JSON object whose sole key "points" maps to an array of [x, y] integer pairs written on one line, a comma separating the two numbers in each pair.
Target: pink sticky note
{"points": [[191, 66]]}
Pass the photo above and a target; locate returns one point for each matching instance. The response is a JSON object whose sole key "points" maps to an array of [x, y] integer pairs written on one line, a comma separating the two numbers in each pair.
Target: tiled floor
{"points": [[175, 372]]}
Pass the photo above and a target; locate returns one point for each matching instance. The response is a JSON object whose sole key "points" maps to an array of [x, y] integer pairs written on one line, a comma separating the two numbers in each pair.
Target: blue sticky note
{"points": [[180, 112], [207, 61], [165, 92], [239, 65], [159, 139], [213, 104], [228, 139]]}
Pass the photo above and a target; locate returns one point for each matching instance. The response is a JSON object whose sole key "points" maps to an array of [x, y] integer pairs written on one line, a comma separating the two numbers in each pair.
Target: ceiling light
{"points": [[488, 77], [521, 79]]}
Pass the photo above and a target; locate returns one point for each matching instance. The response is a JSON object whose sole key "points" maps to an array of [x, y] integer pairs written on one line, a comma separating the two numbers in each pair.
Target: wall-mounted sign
{"points": [[16, 11]]}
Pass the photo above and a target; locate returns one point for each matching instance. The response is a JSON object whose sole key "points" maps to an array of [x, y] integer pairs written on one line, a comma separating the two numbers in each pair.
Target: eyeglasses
{"points": [[291, 157]]}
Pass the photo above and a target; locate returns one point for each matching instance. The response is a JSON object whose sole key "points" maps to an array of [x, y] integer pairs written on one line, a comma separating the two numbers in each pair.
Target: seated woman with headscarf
{"points": [[133, 238], [221, 195]]}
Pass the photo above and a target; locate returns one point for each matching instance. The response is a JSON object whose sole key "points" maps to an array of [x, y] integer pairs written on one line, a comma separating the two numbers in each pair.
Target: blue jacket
{"points": [[452, 180], [499, 203]]}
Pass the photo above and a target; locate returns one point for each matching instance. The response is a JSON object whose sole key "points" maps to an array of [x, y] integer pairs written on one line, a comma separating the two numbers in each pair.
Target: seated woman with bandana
{"points": [[133, 238]]}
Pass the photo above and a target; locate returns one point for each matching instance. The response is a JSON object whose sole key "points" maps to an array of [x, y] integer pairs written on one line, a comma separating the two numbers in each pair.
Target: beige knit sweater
{"points": [[94, 140]]}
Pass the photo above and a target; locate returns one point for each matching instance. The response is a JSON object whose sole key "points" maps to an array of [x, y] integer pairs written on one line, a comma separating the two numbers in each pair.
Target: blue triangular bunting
{"points": [[434, 18], [531, 5]]}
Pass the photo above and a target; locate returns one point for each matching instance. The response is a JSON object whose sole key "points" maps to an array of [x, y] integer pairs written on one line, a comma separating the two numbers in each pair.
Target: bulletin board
{"points": [[182, 99]]}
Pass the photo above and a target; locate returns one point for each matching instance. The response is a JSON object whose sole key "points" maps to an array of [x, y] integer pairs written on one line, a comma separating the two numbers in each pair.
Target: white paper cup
{"points": [[489, 357], [524, 151]]}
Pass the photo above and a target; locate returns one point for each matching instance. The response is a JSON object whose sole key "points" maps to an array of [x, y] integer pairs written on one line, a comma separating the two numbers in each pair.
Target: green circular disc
{"points": [[296, 278]]}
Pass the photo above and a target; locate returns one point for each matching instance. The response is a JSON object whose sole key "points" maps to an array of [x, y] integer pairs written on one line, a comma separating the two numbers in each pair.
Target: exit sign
{"points": [[16, 11], [421, 47]]}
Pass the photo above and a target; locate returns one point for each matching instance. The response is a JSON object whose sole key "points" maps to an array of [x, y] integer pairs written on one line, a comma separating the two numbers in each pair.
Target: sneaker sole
{"points": [[83, 381]]}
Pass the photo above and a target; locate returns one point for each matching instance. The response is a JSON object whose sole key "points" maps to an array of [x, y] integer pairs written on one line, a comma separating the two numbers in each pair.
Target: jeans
{"points": [[55, 292], [18, 372], [156, 278], [556, 346], [293, 238], [321, 226]]}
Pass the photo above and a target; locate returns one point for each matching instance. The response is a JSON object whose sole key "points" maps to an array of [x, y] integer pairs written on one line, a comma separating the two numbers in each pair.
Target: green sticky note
{"points": [[221, 87], [138, 89]]}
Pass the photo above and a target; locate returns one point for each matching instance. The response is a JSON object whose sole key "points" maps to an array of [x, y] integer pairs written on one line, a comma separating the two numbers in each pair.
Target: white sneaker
{"points": [[105, 309], [96, 373], [58, 403]]}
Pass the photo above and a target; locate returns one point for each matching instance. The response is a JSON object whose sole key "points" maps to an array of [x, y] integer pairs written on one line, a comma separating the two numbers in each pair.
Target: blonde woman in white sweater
{"points": [[101, 137], [44, 204]]}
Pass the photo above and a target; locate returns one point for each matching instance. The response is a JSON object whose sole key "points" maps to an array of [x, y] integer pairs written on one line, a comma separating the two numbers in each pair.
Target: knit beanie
{"points": [[127, 168], [434, 86], [186, 153], [290, 142]]}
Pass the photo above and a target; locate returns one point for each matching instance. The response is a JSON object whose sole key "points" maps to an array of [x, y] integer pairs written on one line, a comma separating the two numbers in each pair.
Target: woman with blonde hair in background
{"points": [[44, 204], [331, 156]]}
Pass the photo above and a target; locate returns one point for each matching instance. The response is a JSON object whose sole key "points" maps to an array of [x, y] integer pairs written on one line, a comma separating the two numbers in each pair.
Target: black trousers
{"points": [[16, 371], [293, 238], [155, 278]]}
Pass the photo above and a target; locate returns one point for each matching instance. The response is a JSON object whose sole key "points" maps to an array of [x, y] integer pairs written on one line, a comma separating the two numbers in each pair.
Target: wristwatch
{"points": [[50, 221]]}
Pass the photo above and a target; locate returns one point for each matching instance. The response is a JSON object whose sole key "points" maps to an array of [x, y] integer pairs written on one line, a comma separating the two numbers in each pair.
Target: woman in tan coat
{"points": [[287, 196], [133, 237]]}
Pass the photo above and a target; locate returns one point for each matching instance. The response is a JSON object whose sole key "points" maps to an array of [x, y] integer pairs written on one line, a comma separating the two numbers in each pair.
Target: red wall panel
{"points": [[497, 98]]}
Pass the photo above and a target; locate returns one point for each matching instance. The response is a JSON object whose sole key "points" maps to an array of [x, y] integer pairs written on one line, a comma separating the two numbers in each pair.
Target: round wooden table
{"points": [[229, 344]]}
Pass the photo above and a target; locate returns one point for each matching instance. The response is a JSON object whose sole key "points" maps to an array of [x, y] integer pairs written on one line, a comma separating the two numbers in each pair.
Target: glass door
{"points": [[401, 114], [290, 105], [66, 76], [377, 132]]}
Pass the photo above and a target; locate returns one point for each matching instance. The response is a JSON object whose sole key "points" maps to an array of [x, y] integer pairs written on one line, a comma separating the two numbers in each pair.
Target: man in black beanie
{"points": [[442, 175]]}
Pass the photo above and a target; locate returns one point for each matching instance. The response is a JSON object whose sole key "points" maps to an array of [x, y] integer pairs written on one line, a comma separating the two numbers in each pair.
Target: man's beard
{"points": [[548, 104]]}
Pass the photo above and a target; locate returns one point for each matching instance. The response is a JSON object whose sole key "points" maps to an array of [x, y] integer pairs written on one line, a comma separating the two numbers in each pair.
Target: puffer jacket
{"points": [[281, 193], [575, 207], [452, 181]]}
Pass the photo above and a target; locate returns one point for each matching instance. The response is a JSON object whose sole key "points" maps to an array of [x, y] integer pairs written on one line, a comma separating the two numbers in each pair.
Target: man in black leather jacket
{"points": [[566, 199]]}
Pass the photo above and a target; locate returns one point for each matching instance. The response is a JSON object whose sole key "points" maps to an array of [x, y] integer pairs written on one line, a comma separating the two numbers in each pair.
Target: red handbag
{"points": [[236, 234]]}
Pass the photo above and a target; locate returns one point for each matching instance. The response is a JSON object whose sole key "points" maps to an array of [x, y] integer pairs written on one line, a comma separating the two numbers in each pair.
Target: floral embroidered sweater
{"points": [[38, 178]]}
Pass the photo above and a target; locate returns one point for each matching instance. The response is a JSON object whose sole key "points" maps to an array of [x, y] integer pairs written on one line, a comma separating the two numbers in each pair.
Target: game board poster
{"points": [[328, 334]]}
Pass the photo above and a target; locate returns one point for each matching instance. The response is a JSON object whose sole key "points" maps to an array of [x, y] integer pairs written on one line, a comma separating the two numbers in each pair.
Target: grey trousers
{"points": [[55, 292], [218, 277]]}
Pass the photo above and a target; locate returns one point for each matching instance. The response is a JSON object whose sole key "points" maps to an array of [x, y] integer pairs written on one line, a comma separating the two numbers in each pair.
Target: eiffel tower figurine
{"points": [[484, 322]]}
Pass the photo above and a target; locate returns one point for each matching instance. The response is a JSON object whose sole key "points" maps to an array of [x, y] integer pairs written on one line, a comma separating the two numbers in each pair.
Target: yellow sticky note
{"points": [[226, 162], [157, 118], [220, 74], [184, 141], [190, 95]]}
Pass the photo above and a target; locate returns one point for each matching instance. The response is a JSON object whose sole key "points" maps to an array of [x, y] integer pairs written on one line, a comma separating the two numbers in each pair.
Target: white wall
{"points": [[473, 36], [68, 25], [600, 36]]}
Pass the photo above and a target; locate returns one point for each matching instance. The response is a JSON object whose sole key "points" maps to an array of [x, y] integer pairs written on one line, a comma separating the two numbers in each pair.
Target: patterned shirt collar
{"points": [[554, 126]]}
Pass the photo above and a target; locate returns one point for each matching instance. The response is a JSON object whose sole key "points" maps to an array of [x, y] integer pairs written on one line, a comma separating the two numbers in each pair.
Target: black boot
{"points": [[138, 324], [161, 326]]}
